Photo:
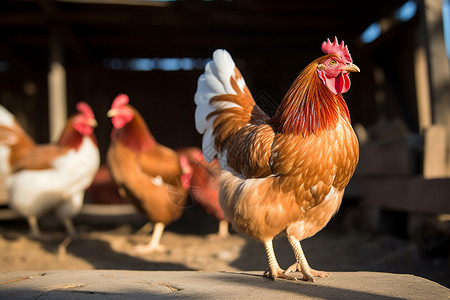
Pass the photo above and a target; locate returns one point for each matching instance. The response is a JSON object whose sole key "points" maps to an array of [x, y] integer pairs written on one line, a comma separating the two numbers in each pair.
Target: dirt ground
{"points": [[107, 243]]}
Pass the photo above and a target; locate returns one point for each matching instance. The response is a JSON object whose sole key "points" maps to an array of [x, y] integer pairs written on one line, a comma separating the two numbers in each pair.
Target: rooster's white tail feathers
{"points": [[6, 118], [214, 82]]}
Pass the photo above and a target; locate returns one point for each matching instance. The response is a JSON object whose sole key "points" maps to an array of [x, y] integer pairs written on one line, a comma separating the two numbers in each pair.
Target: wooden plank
{"points": [[9, 214], [108, 209], [390, 157], [435, 152], [410, 194]]}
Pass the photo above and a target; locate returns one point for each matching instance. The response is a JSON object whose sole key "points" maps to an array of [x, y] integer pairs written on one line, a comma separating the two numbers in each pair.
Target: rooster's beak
{"points": [[111, 113], [351, 68]]}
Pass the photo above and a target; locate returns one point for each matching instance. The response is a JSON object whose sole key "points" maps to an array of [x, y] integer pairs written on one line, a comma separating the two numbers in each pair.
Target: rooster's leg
{"points": [[153, 245], [34, 227], [274, 269], [302, 264]]}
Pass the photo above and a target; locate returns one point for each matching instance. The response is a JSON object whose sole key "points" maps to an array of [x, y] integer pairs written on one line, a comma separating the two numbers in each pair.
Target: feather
{"points": [[6, 118]]}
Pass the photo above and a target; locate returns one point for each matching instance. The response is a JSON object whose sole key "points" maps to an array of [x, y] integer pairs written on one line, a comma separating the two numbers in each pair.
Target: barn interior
{"points": [[54, 53]]}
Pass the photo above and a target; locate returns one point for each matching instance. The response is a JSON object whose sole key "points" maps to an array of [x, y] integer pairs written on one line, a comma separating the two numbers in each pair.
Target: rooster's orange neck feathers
{"points": [[309, 106]]}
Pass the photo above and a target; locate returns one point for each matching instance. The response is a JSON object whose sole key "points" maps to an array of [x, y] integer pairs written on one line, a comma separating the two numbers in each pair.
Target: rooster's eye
{"points": [[332, 62]]}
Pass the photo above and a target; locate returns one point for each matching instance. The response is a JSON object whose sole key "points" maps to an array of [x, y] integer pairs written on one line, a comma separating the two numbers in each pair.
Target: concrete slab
{"points": [[115, 284]]}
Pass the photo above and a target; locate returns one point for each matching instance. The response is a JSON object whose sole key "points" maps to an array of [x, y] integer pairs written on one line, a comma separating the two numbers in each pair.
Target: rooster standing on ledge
{"points": [[153, 177], [285, 173], [53, 176]]}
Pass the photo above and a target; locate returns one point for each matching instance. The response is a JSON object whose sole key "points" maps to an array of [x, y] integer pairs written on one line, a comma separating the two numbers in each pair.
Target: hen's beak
{"points": [[112, 113], [351, 68], [93, 123]]}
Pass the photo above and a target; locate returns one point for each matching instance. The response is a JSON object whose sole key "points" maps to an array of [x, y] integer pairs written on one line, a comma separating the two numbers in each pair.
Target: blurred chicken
{"points": [[103, 189], [53, 176], [286, 173], [150, 175], [204, 186], [14, 142]]}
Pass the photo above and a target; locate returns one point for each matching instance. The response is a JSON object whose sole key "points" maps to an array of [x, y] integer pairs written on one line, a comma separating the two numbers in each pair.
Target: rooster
{"points": [[53, 176], [286, 173], [148, 174], [204, 186]]}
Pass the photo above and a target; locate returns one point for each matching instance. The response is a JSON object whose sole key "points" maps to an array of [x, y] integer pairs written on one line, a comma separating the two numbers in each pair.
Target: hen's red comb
{"points": [[184, 162], [85, 109], [120, 100], [335, 48]]}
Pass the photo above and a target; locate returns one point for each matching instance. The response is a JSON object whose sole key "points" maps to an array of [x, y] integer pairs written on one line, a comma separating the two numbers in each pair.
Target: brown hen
{"points": [[147, 173]]}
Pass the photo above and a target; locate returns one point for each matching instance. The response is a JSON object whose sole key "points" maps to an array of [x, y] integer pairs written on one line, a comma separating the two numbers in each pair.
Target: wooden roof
{"points": [[271, 41], [114, 28]]}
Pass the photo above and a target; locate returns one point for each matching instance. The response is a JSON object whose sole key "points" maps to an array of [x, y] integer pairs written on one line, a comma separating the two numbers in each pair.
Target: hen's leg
{"points": [[34, 227], [69, 227], [274, 269], [153, 245], [68, 209], [302, 264], [223, 232]]}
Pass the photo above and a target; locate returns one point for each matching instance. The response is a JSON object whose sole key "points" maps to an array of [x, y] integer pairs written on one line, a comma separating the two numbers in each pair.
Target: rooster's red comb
{"points": [[85, 109], [334, 48], [120, 101]]}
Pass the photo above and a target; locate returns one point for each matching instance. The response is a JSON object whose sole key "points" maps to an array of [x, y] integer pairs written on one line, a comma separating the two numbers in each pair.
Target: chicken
{"points": [[103, 189], [204, 186], [53, 176], [148, 174], [286, 173], [14, 142]]}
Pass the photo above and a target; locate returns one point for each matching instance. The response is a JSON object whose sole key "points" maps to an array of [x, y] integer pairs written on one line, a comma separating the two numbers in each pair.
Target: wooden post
{"points": [[435, 152], [57, 92], [437, 70], [422, 87]]}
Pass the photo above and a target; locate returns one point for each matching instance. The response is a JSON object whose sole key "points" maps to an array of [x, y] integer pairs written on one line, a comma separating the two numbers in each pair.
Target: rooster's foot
{"points": [[308, 274], [278, 273]]}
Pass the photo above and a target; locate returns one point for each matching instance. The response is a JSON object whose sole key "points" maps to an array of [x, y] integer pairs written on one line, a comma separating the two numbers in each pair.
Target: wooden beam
{"points": [[121, 2], [410, 194]]}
